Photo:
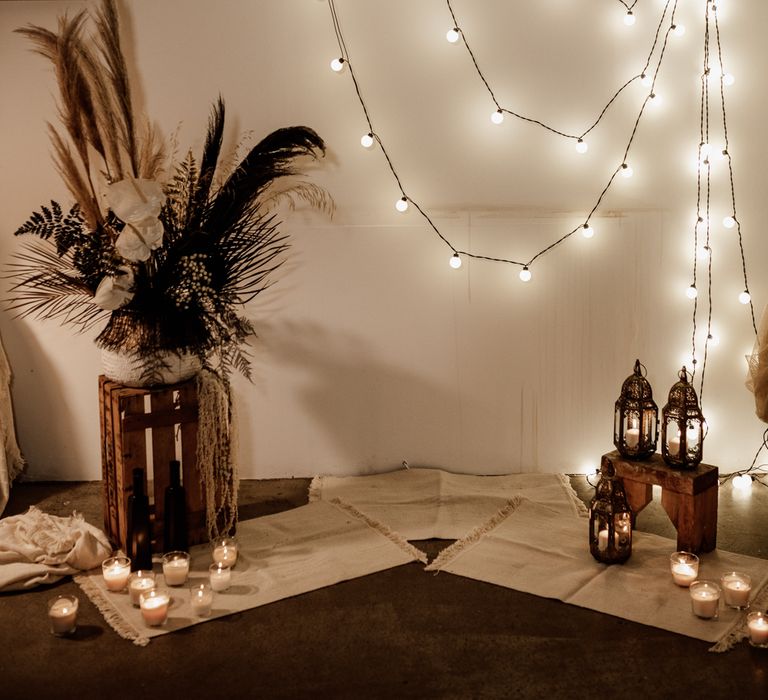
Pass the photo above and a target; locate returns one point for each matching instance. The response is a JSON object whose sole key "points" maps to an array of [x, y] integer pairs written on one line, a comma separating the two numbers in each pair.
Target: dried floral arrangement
{"points": [[164, 263]]}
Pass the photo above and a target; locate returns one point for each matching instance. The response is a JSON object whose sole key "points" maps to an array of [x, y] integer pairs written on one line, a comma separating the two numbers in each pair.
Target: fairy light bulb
{"points": [[452, 35], [629, 18], [742, 482], [744, 297], [338, 65], [455, 261], [692, 292], [678, 29], [704, 150], [654, 99], [646, 80], [704, 252], [728, 79], [587, 231], [402, 204], [626, 170], [525, 274], [729, 222], [713, 339], [366, 140], [497, 117], [581, 146]]}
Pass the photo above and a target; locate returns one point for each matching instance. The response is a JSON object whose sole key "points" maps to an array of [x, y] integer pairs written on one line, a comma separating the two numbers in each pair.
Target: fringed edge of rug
{"points": [[579, 506], [315, 492], [382, 529], [738, 631], [113, 617], [474, 535]]}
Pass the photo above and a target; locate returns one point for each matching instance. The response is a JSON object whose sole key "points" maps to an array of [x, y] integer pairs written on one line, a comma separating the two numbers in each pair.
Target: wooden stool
{"points": [[688, 496]]}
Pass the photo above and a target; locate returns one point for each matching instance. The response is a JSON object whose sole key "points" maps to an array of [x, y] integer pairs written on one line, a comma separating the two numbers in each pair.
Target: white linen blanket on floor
{"points": [[422, 503], [38, 548], [531, 548], [280, 556]]}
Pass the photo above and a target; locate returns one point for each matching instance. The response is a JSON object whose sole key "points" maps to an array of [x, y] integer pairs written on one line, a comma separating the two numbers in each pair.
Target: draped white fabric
{"points": [[11, 461]]}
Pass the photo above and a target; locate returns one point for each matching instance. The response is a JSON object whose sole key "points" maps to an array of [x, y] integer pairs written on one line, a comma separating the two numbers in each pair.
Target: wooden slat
{"points": [[190, 474], [134, 447], [109, 500], [161, 419], [163, 451]]}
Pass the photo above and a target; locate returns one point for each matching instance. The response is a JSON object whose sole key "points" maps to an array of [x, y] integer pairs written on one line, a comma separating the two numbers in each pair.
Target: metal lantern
{"points": [[682, 426], [636, 417], [610, 519]]}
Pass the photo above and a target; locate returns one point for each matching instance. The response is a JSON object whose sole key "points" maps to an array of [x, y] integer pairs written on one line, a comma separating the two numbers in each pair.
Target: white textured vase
{"points": [[133, 369]]}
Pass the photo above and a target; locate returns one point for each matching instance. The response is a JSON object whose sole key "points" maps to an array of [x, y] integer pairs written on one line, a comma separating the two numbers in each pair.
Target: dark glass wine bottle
{"points": [[139, 540], [175, 515]]}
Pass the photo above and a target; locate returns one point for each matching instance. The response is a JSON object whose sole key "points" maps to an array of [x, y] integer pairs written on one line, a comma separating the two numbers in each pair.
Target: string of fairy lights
{"points": [[713, 68]]}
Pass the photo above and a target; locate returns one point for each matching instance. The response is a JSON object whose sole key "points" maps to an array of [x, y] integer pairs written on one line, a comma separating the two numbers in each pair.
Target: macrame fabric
{"points": [[11, 461]]}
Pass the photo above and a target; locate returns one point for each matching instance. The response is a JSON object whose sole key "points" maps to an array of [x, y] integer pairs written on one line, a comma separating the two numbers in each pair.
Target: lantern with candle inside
{"points": [[636, 417], [682, 426], [610, 519]]}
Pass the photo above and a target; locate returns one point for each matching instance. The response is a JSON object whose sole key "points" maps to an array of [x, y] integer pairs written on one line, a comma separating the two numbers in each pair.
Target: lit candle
{"points": [[757, 624], [116, 571], [154, 606], [62, 614], [736, 589], [140, 582], [673, 446], [225, 551], [201, 599], [632, 437], [705, 598], [221, 576], [176, 568], [602, 540], [684, 567]]}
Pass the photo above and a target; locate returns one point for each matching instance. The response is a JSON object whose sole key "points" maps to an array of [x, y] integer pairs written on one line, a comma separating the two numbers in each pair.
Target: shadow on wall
{"points": [[47, 418], [373, 415]]}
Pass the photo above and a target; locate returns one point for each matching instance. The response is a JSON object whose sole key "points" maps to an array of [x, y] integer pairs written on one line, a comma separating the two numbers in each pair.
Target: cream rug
{"points": [[280, 556], [421, 504], [529, 547]]}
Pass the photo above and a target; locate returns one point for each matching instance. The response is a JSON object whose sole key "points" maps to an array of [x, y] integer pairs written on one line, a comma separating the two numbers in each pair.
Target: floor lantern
{"points": [[636, 417], [610, 519], [682, 426]]}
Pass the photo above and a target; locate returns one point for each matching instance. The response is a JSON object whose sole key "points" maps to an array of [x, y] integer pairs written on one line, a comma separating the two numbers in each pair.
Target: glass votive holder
{"points": [[139, 582], [154, 606], [62, 614], [736, 589], [116, 571], [220, 575], [175, 568], [705, 599], [757, 626], [201, 599], [224, 551], [684, 567]]}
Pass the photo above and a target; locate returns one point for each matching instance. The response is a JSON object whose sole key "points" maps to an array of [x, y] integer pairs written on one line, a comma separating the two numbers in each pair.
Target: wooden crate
{"points": [[129, 431]]}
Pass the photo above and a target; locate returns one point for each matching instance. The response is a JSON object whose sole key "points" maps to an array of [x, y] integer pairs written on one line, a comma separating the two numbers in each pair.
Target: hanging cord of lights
{"points": [[402, 204], [456, 32]]}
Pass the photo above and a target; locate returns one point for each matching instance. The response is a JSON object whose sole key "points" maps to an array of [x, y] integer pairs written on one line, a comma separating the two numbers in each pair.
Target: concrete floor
{"points": [[400, 633]]}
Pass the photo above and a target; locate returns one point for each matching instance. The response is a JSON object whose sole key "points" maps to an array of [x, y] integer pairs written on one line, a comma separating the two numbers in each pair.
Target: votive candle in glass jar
{"points": [[139, 582], [62, 614], [175, 568], [757, 626], [116, 571], [201, 599], [736, 589], [224, 551], [705, 599], [684, 567], [154, 606], [221, 576]]}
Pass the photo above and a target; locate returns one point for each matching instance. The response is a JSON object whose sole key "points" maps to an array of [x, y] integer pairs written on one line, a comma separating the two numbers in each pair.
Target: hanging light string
{"points": [[629, 6], [579, 138], [727, 153], [344, 61]]}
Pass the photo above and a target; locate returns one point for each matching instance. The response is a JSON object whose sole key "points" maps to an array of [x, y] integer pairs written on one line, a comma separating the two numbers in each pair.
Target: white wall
{"points": [[371, 349]]}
